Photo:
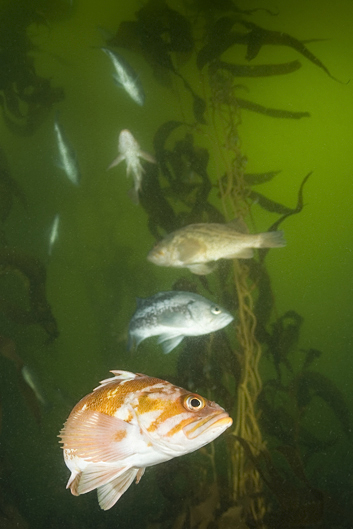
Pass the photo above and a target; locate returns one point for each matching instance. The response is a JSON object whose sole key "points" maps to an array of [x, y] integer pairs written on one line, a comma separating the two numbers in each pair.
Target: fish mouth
{"points": [[220, 421]]}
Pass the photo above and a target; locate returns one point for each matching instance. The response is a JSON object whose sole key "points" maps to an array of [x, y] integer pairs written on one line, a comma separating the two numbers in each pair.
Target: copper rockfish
{"points": [[130, 422]]}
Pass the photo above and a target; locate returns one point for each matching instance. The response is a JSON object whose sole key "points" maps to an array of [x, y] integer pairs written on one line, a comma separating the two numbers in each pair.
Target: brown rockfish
{"points": [[131, 422], [199, 246]]}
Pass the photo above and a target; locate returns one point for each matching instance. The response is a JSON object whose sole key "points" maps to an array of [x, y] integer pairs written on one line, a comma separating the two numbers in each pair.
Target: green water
{"points": [[98, 264]]}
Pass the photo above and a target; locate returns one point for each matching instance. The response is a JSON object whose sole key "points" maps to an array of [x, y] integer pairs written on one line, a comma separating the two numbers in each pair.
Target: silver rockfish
{"points": [[174, 315], [199, 246], [131, 422], [67, 156], [130, 151], [125, 77]]}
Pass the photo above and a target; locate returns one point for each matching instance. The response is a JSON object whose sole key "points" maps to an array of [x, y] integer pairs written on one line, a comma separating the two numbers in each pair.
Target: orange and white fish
{"points": [[130, 151], [130, 422]]}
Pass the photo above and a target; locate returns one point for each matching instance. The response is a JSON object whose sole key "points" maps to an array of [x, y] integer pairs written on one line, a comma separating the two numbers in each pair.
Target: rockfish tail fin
{"points": [[271, 239]]}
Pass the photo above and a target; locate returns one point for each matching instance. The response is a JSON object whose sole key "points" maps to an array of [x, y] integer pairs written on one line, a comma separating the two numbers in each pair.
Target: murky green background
{"points": [[98, 265]]}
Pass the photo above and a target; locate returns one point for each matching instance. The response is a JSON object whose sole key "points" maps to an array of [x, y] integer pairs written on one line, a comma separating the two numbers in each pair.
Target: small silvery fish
{"points": [[131, 422], [67, 156], [174, 315], [31, 379], [130, 151], [199, 246], [125, 77], [54, 233]]}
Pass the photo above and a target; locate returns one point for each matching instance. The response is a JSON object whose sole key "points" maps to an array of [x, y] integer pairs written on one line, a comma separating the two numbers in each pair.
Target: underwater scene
{"points": [[176, 264]]}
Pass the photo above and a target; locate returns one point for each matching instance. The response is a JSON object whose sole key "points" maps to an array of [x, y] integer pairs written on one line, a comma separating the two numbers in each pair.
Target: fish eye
{"points": [[216, 310], [194, 403]]}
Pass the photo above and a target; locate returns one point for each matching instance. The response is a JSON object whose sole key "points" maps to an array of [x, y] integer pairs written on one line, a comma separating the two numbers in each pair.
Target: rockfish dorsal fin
{"points": [[238, 225], [118, 376]]}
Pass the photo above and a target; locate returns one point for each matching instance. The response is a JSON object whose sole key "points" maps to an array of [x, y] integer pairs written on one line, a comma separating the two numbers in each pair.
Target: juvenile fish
{"points": [[131, 422], [67, 156], [173, 315], [54, 233], [125, 77], [130, 151], [198, 246]]}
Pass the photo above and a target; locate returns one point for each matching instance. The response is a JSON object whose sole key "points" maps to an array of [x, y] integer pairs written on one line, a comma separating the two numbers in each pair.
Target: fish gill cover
{"points": [[68, 288]]}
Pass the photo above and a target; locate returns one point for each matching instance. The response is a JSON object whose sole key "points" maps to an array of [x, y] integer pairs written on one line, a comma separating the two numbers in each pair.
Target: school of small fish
{"points": [[133, 421]]}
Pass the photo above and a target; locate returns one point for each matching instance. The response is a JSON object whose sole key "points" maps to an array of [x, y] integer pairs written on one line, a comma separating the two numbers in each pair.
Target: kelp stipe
{"points": [[181, 191]]}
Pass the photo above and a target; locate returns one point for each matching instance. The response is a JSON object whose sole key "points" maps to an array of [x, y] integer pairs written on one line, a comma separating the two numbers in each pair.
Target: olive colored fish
{"points": [[198, 246], [131, 422]]}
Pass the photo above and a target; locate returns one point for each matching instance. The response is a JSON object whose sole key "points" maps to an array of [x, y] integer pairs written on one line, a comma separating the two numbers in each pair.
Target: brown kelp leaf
{"points": [[269, 204], [321, 386], [258, 37], [33, 275], [253, 179], [271, 112], [257, 70]]}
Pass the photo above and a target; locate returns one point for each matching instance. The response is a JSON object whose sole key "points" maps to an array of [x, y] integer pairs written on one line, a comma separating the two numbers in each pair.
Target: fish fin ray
{"points": [[98, 437], [202, 269], [272, 239], [238, 225], [189, 249], [170, 341], [96, 476], [111, 492], [147, 156], [117, 160], [73, 482], [170, 318]]}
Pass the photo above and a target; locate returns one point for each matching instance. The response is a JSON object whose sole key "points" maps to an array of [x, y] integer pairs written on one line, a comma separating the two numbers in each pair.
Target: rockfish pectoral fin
{"points": [[169, 341], [189, 250], [117, 160], [170, 318], [111, 492], [147, 156], [98, 437], [202, 269]]}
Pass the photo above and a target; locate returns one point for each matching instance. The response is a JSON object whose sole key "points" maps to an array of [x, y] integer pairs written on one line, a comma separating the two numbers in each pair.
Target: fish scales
{"points": [[128, 423], [111, 396], [174, 315], [199, 246]]}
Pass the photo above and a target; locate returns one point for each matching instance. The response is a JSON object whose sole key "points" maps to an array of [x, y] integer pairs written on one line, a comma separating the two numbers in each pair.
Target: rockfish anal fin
{"points": [[110, 493], [202, 269]]}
